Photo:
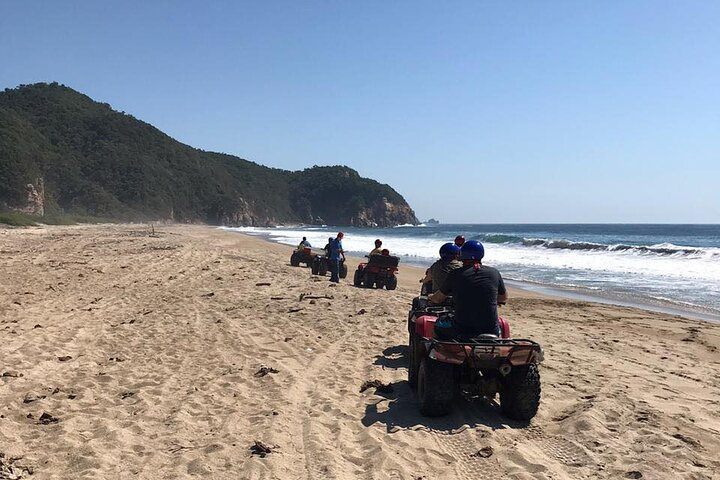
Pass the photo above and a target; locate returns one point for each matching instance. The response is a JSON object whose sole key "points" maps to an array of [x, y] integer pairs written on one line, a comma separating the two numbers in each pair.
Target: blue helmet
{"points": [[472, 250], [449, 251]]}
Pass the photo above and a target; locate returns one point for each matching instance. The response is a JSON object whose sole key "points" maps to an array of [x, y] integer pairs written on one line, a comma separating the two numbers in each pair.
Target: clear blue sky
{"points": [[552, 111]]}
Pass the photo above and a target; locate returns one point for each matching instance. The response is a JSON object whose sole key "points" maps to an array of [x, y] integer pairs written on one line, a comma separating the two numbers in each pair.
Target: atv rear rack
{"points": [[516, 351]]}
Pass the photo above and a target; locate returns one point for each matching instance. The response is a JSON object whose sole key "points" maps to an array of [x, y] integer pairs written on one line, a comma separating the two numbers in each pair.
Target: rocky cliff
{"points": [[99, 162]]}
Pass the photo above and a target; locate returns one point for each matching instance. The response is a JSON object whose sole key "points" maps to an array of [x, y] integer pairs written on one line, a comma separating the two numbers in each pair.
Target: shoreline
{"points": [[569, 293]]}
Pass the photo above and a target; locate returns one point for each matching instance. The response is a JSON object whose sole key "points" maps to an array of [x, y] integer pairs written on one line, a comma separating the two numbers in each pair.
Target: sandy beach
{"points": [[132, 354]]}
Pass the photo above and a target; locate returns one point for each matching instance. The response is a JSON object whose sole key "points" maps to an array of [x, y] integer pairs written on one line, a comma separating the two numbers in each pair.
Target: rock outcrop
{"points": [[384, 214], [35, 198]]}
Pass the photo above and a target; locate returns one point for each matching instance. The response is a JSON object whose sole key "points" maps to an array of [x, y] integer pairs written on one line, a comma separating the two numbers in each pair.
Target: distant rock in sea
{"points": [[432, 221]]}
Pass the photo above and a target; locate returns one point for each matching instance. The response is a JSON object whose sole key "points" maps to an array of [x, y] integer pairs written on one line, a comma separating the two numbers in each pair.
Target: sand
{"points": [[145, 354]]}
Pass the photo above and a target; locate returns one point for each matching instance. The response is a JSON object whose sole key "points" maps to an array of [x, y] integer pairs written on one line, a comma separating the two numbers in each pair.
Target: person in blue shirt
{"points": [[336, 253]]}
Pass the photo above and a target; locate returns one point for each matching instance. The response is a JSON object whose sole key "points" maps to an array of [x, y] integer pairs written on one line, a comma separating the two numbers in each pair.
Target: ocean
{"points": [[670, 268]]}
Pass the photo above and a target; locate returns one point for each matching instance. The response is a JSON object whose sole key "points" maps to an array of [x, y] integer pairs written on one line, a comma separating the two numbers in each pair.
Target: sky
{"points": [[475, 111]]}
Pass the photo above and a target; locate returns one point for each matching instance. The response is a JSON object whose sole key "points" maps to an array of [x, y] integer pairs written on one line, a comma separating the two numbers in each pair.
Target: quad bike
{"points": [[479, 367], [305, 256], [379, 271], [321, 265]]}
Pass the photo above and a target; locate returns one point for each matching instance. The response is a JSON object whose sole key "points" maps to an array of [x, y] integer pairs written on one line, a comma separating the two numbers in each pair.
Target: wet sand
{"points": [[125, 354]]}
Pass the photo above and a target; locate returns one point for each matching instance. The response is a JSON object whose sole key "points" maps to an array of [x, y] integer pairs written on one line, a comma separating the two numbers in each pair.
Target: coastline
{"points": [[569, 293], [146, 350]]}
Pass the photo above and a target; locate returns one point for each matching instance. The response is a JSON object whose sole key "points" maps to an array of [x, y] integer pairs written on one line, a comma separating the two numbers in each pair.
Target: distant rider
{"points": [[477, 289], [377, 250], [304, 244], [336, 253], [435, 275], [327, 247]]}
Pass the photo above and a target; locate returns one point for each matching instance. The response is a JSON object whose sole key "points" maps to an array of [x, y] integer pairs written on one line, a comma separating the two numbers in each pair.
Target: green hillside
{"points": [[98, 162]]}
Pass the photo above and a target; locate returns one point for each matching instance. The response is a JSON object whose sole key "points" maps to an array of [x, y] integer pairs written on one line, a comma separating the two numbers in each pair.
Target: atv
{"points": [[478, 367], [305, 256], [321, 265], [379, 272]]}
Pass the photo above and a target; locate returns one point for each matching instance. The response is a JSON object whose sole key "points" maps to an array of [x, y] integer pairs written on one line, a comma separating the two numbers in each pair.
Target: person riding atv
{"points": [[377, 250], [435, 275], [477, 289], [464, 345]]}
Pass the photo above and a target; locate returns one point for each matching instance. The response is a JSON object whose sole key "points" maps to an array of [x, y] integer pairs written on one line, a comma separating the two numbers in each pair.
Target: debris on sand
{"points": [[47, 419], [260, 449], [32, 397], [264, 371], [262, 284], [379, 386], [125, 395], [11, 374], [362, 311], [11, 470], [304, 296], [295, 310], [485, 452], [65, 358], [208, 295], [633, 474]]}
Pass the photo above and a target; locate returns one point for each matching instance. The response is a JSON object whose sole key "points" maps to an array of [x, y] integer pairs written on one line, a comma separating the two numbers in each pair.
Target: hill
{"points": [[62, 152]]}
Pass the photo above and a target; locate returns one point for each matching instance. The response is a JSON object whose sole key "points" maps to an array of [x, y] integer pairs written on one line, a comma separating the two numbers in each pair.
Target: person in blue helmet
{"points": [[437, 272], [477, 290], [336, 253]]}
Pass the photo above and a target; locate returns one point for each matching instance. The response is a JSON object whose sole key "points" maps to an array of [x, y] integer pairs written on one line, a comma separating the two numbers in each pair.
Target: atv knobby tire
{"points": [[436, 387], [343, 270], [315, 266], [358, 278], [520, 392], [369, 280], [416, 352], [294, 260], [322, 267], [391, 283]]}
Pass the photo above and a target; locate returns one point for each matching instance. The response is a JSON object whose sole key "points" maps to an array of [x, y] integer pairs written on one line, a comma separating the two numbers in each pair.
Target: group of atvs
{"points": [[439, 370], [379, 271]]}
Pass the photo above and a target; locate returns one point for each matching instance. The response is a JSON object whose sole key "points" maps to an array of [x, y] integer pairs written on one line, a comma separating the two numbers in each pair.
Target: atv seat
{"points": [[383, 261]]}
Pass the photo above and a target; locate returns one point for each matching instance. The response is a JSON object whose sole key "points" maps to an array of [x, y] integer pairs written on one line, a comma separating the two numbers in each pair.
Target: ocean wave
{"points": [[665, 249]]}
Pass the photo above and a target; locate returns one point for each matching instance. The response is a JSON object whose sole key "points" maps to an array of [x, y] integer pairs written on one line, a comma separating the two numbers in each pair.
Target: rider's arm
{"points": [[502, 292], [428, 277], [443, 291], [437, 297]]}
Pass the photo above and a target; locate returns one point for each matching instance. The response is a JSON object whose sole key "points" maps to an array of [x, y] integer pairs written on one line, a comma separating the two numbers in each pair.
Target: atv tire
{"points": [[368, 280], [294, 260], [391, 283], [322, 267], [343, 270], [436, 387], [315, 267], [416, 352], [358, 278], [520, 392]]}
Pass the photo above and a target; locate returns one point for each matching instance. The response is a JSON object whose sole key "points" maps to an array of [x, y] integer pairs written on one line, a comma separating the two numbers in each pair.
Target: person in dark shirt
{"points": [[477, 289], [327, 247], [435, 275]]}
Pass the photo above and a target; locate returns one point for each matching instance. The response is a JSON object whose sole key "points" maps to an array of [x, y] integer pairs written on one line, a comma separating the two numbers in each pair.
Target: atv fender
{"points": [[425, 326]]}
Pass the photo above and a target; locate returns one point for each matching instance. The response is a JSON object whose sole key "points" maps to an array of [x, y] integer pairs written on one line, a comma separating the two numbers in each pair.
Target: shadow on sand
{"points": [[399, 410]]}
